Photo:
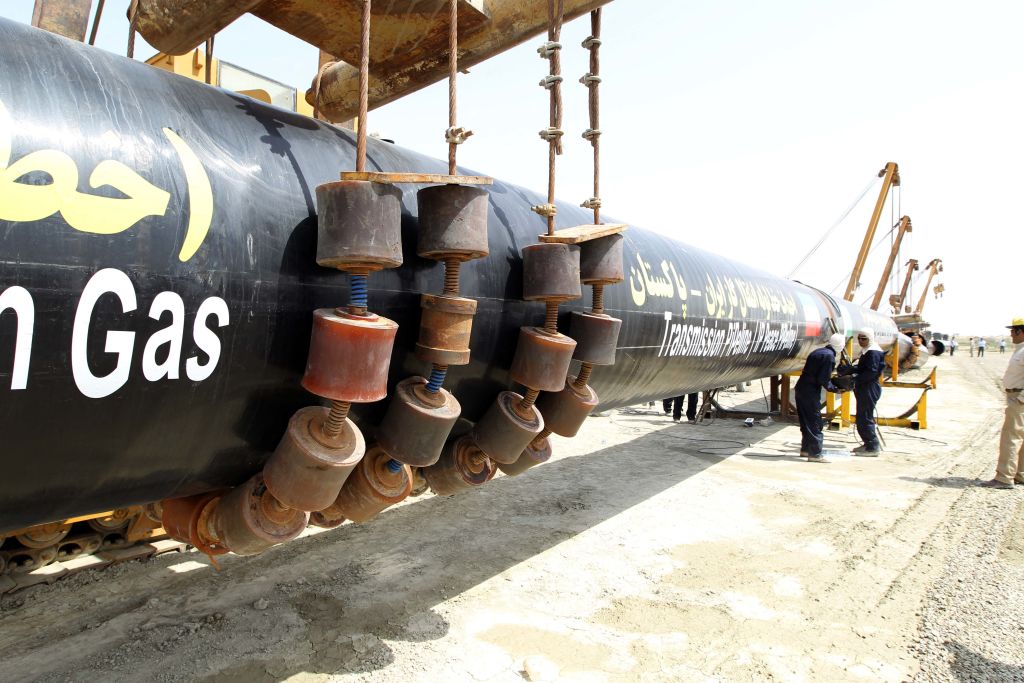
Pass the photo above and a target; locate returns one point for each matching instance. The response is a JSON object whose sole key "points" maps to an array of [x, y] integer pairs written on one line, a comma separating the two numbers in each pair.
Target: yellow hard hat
{"points": [[1017, 322]]}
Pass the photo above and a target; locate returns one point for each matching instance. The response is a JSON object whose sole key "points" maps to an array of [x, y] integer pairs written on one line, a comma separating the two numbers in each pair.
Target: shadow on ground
{"points": [[968, 665], [350, 589]]}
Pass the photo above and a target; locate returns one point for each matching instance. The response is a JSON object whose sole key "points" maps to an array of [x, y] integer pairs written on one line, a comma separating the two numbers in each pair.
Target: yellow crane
{"points": [[934, 267], [890, 176], [896, 300], [904, 228]]}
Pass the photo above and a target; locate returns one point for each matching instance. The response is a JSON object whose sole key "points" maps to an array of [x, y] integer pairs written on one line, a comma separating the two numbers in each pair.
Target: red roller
{"points": [[349, 356]]}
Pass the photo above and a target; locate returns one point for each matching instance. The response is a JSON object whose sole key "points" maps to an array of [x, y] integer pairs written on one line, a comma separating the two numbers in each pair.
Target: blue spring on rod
{"points": [[358, 291], [437, 376], [394, 466]]}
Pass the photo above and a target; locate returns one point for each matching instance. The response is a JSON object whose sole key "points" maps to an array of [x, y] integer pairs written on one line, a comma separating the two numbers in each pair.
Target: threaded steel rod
{"points": [[336, 418]]}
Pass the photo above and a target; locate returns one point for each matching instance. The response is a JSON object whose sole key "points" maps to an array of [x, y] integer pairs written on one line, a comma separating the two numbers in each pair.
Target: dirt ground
{"points": [[644, 551]]}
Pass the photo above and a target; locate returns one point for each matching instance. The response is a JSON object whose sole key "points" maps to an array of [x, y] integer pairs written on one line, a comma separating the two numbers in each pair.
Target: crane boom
{"points": [[896, 300], [905, 227], [934, 267], [890, 176]]}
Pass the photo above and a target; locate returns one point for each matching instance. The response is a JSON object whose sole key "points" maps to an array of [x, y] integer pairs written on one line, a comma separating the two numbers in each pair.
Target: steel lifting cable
{"points": [[133, 21], [364, 86], [96, 21], [835, 225], [454, 135], [878, 243], [209, 57], [553, 83], [592, 80]]}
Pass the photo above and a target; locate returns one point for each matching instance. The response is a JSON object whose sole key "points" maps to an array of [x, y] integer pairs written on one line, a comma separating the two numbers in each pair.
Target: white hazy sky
{"points": [[747, 128]]}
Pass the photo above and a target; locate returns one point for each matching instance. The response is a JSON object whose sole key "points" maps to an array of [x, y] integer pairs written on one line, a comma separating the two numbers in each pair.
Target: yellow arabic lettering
{"points": [[96, 214]]}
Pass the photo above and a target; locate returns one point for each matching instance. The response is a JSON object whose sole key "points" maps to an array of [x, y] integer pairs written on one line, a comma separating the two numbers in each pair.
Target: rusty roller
{"points": [[445, 329], [417, 422], [326, 519], [453, 222], [359, 225], [551, 272], [349, 356], [601, 261], [542, 359], [462, 466], [377, 483], [189, 520], [566, 411], [309, 467], [596, 337], [248, 519], [538, 451], [507, 427]]}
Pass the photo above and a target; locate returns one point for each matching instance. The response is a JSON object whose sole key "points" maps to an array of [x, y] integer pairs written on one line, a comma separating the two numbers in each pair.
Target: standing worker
{"points": [[816, 375], [1010, 468], [1002, 346], [981, 347], [867, 389], [674, 406], [952, 347], [916, 344]]}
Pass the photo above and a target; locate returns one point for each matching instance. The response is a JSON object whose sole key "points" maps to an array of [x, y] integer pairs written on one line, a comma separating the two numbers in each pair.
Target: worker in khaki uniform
{"points": [[1010, 469]]}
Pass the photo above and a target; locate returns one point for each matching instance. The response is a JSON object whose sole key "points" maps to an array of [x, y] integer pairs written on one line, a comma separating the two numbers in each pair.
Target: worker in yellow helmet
{"points": [[1010, 468]]}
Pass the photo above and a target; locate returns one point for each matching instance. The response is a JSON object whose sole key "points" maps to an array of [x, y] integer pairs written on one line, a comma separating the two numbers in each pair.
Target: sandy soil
{"points": [[645, 551]]}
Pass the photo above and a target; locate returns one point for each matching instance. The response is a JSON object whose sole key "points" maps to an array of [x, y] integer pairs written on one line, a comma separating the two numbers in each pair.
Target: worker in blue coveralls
{"points": [[816, 375], [867, 390]]}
